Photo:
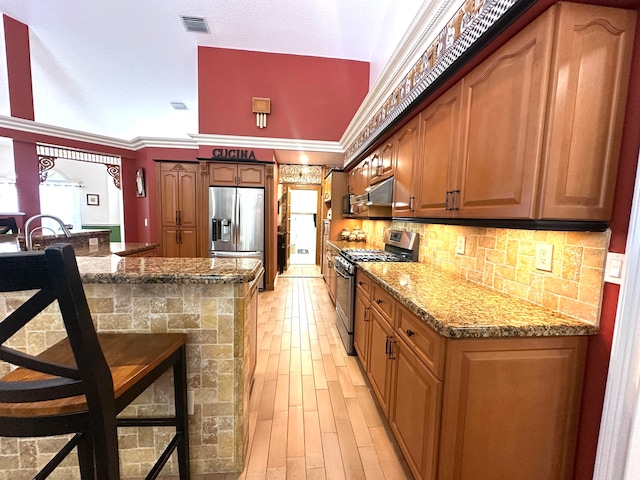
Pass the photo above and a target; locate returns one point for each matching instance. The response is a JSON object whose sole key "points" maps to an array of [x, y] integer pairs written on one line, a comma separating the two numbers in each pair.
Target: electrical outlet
{"points": [[93, 241], [544, 256], [460, 241]]}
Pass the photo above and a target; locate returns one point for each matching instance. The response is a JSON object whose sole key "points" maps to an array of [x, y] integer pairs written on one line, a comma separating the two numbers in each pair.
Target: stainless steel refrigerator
{"points": [[236, 225]]}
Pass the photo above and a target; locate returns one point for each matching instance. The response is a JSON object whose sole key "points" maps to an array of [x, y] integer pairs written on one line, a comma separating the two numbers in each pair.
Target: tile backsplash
{"points": [[504, 260]]}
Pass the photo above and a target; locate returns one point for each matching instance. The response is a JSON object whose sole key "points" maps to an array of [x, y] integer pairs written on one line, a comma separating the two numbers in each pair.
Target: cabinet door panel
{"points": [[439, 153], [382, 162], [170, 201], [222, 174], [590, 75], [361, 327], [406, 158], [504, 105], [170, 245], [510, 408], [188, 242], [251, 175], [379, 366], [187, 205], [414, 416]]}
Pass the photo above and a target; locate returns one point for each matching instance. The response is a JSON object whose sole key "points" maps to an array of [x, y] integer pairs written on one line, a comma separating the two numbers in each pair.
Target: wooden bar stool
{"points": [[83, 382]]}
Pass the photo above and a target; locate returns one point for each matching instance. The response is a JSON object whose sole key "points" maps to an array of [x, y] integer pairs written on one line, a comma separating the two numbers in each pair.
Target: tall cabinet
{"points": [[177, 199]]}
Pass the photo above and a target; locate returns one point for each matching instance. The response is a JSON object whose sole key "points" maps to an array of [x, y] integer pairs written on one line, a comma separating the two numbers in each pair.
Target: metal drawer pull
{"points": [[378, 301], [410, 332], [386, 346]]}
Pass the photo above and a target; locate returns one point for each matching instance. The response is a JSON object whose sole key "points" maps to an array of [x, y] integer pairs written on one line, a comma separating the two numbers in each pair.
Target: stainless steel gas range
{"points": [[399, 246]]}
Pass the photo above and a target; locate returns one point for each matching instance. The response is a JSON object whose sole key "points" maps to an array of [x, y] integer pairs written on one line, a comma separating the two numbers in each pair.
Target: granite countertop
{"points": [[115, 269], [128, 248], [345, 245], [457, 308]]}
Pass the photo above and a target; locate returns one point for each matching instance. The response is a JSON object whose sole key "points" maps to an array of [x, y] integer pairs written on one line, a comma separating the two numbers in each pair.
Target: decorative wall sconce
{"points": [[261, 107]]}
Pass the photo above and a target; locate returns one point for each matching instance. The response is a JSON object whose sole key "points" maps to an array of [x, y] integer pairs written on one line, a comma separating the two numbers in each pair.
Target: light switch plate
{"points": [[544, 256], [614, 269], [93, 241], [460, 241]]}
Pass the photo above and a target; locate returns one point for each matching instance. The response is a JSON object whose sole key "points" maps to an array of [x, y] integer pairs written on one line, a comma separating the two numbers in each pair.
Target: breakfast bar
{"points": [[213, 301]]}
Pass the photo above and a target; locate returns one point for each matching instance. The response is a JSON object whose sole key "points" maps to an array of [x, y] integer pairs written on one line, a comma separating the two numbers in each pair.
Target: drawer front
{"points": [[382, 301], [363, 284], [424, 340]]}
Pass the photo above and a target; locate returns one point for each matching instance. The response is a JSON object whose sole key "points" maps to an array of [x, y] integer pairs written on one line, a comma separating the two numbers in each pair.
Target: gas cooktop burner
{"points": [[363, 255]]}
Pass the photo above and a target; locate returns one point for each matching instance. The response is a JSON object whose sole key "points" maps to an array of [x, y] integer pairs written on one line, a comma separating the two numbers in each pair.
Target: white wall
{"points": [[95, 180]]}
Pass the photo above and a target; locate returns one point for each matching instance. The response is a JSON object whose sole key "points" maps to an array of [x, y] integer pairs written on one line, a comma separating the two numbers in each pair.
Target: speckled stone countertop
{"points": [[115, 269], [128, 248], [457, 308], [344, 245]]}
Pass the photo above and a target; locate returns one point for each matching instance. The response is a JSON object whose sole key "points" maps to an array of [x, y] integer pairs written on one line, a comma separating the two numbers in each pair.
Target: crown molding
{"points": [[195, 140], [30, 126], [267, 143], [139, 143], [425, 27]]}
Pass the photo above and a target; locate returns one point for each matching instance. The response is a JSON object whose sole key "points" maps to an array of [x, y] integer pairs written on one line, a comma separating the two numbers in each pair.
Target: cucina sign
{"points": [[232, 154]]}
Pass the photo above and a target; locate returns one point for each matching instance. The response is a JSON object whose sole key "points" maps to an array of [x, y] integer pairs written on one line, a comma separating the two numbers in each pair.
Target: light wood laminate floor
{"points": [[313, 415]]}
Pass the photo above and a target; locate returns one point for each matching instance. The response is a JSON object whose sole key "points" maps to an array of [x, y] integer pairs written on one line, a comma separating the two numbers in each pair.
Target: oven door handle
{"points": [[342, 274]]}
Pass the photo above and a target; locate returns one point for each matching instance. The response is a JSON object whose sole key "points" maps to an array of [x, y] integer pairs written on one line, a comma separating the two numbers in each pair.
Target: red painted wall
{"points": [[312, 98], [18, 68]]}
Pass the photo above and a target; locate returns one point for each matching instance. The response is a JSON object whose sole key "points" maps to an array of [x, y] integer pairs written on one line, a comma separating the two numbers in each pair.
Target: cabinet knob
{"points": [[378, 301], [360, 283], [410, 333]]}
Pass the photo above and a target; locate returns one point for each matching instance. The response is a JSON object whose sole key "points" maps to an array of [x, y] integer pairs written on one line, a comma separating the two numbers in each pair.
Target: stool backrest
{"points": [[46, 277], [8, 225]]}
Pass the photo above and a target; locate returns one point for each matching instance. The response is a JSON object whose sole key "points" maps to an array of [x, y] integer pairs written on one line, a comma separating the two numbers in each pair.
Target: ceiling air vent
{"points": [[195, 24]]}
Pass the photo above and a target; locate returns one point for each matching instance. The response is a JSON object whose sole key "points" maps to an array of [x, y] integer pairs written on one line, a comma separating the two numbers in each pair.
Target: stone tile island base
{"points": [[219, 319]]}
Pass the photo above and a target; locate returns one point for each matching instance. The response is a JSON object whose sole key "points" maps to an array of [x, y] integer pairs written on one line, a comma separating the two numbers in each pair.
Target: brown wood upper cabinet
{"points": [[382, 162], [534, 131], [177, 191], [588, 91], [406, 161], [236, 174]]}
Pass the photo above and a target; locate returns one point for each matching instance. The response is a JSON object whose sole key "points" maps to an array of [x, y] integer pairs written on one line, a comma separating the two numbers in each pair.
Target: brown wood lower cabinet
{"points": [[414, 414], [379, 365], [510, 408], [471, 408], [361, 324]]}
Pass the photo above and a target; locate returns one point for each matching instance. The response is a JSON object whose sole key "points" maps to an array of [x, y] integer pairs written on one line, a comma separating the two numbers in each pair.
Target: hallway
{"points": [[312, 414]]}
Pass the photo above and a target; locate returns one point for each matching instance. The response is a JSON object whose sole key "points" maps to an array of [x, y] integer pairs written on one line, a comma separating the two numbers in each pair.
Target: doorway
{"points": [[303, 227]]}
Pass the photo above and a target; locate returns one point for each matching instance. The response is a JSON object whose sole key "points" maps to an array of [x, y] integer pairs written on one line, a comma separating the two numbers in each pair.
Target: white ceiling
{"points": [[111, 67]]}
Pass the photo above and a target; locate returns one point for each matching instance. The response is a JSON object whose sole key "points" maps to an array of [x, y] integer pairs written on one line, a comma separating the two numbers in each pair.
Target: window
{"points": [[8, 195], [61, 198]]}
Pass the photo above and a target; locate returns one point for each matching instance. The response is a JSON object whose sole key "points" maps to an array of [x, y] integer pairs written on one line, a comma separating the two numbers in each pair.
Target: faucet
{"points": [[28, 233]]}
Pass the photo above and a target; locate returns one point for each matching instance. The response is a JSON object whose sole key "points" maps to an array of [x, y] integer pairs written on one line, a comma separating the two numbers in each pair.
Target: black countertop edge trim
{"points": [[504, 22], [562, 225]]}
